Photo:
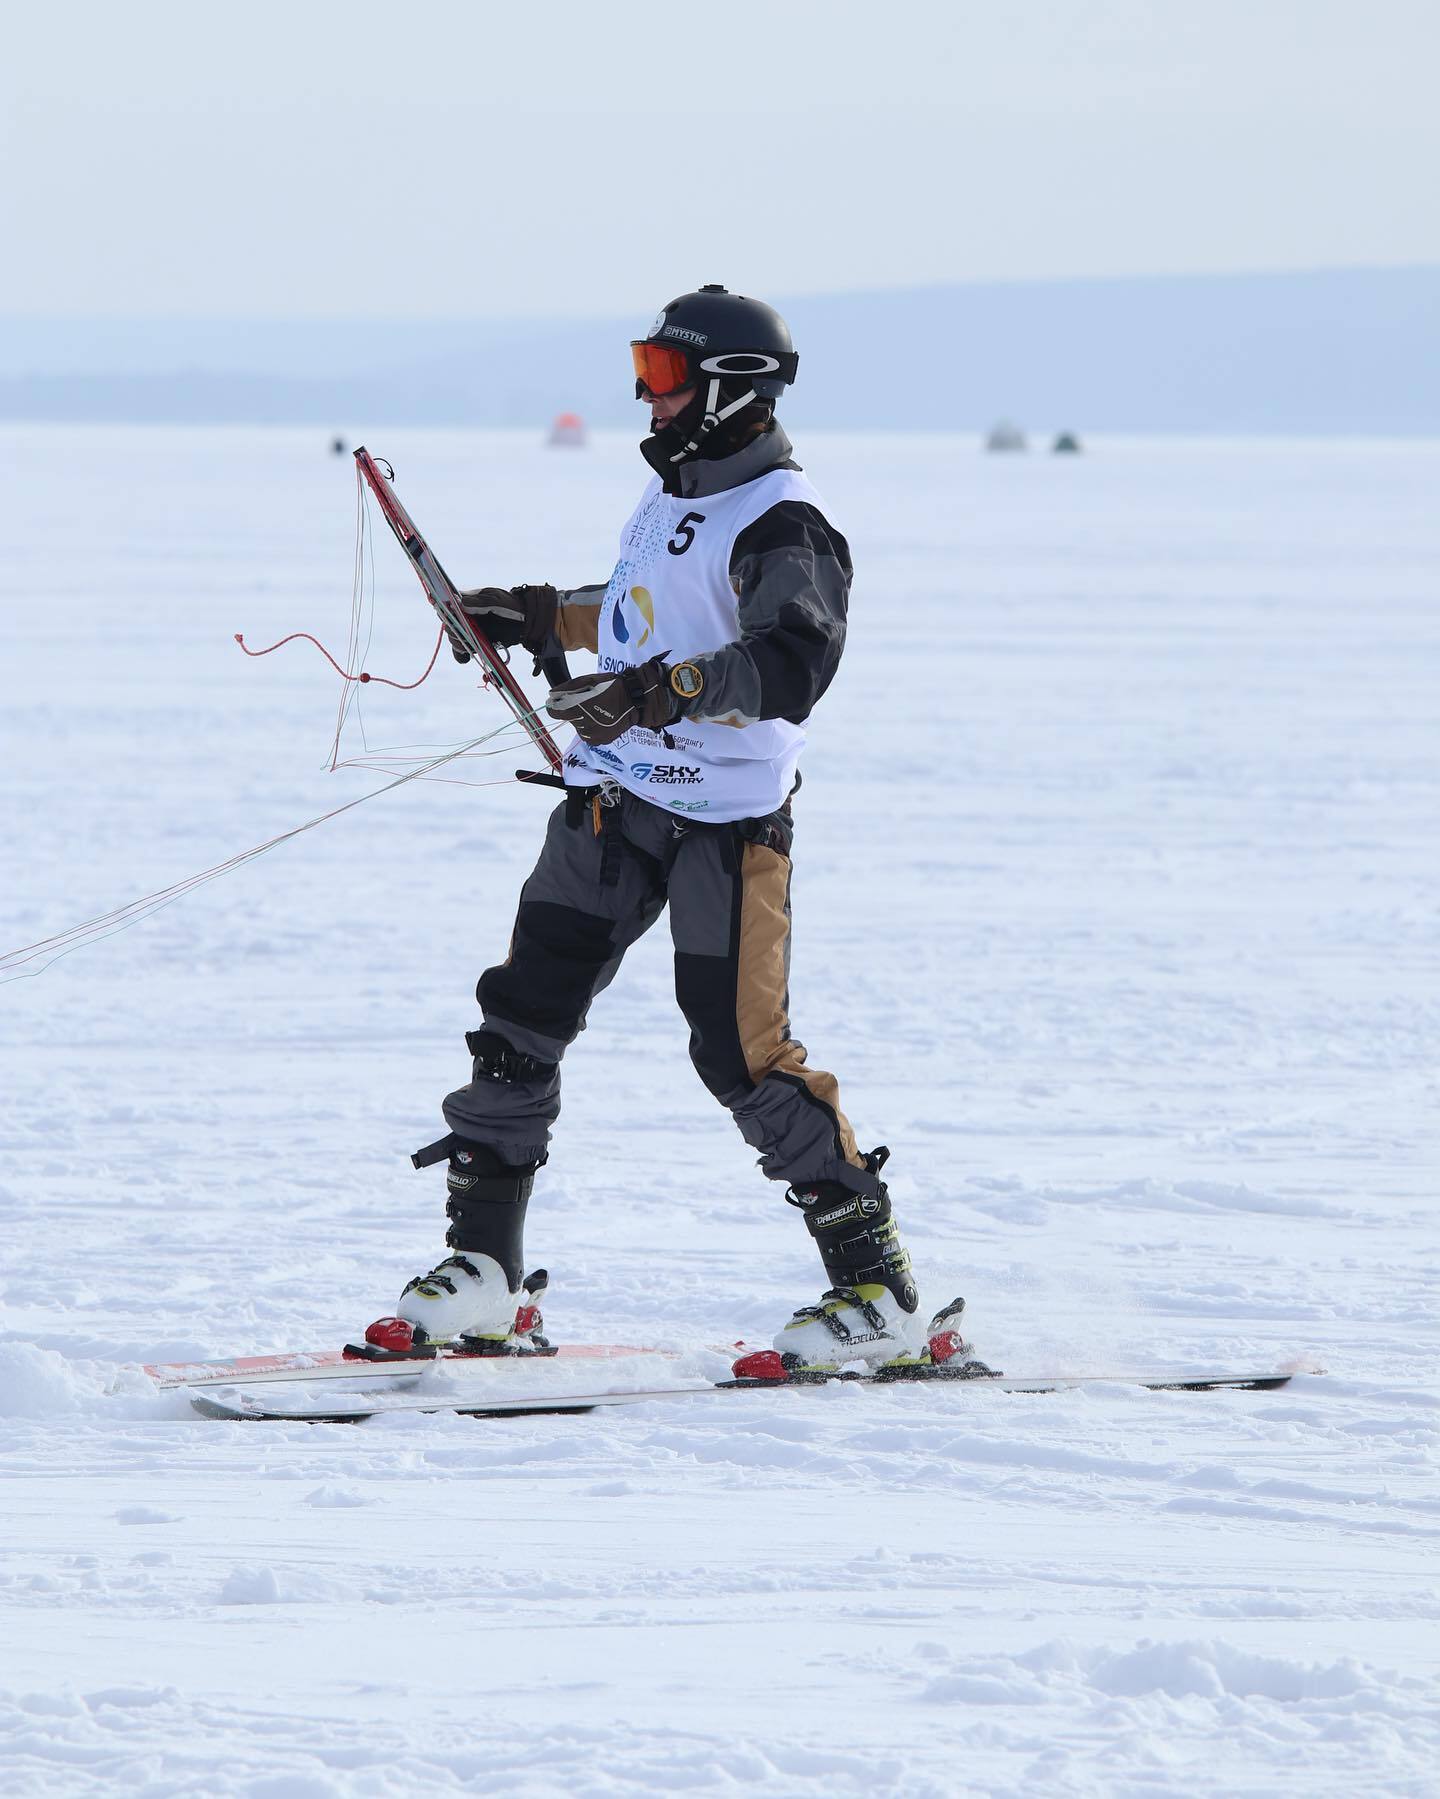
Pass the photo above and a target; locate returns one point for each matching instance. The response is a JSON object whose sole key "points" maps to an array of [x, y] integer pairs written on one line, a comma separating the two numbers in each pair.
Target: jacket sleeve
{"points": [[577, 618], [791, 573]]}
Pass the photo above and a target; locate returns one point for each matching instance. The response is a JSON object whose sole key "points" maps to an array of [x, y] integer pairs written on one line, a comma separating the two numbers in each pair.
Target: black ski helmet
{"points": [[724, 336], [737, 355]]}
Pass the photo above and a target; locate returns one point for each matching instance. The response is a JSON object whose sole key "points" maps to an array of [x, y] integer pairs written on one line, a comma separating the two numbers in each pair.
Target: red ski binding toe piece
{"points": [[395, 1334], [390, 1339], [760, 1364], [946, 1345]]}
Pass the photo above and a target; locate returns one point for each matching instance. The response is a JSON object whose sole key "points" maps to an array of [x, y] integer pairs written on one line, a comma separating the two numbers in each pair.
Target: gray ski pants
{"points": [[605, 874]]}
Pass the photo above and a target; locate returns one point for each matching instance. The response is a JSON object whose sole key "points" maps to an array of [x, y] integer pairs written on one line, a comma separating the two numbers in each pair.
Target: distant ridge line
{"points": [[1317, 351]]}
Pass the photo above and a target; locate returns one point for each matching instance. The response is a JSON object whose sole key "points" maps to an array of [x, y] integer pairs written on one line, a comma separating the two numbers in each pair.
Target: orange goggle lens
{"points": [[662, 369]]}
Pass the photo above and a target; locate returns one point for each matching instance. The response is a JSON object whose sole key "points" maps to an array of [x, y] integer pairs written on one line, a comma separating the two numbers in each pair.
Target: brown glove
{"points": [[603, 706], [508, 615]]}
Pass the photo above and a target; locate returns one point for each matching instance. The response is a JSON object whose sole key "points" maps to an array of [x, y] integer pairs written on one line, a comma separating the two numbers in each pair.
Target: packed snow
{"points": [[1116, 916]]}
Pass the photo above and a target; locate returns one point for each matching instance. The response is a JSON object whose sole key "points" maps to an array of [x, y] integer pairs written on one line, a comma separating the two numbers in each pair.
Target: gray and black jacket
{"points": [[791, 573]]}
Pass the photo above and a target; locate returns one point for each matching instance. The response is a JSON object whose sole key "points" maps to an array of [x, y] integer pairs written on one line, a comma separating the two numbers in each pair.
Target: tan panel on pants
{"points": [[760, 986]]}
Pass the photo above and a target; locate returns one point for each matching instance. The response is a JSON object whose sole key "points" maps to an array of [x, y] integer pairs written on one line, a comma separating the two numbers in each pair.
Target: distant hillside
{"points": [[1345, 351]]}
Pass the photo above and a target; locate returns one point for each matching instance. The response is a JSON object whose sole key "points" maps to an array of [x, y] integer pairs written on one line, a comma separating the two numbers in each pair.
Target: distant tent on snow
{"points": [[1006, 436], [568, 431]]}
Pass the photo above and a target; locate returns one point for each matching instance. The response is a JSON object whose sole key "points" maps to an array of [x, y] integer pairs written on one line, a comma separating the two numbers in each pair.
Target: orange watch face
{"points": [[686, 680]]}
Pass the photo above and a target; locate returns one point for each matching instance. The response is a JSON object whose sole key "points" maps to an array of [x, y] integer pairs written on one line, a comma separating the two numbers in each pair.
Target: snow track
{"points": [[1116, 917]]}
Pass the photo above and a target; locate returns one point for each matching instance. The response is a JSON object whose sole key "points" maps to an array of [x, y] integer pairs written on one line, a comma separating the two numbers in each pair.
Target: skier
{"points": [[720, 628]]}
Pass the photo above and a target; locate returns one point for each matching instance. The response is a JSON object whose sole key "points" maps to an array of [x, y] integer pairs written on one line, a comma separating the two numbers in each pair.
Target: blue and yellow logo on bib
{"points": [[623, 627]]}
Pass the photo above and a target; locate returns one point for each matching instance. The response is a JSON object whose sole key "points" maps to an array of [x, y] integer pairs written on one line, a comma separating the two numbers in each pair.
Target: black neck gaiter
{"points": [[660, 446]]}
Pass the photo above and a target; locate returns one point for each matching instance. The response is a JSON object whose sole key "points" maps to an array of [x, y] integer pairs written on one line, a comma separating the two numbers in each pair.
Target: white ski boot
{"points": [[867, 1329], [870, 1315], [466, 1295], [463, 1306], [473, 1301], [865, 1324]]}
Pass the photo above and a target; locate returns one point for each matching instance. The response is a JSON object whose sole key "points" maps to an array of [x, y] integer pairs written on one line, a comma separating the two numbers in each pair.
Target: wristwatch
{"points": [[686, 682]]}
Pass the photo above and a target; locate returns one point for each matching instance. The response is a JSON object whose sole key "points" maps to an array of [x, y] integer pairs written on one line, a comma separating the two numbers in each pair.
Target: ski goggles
{"points": [[661, 368]]}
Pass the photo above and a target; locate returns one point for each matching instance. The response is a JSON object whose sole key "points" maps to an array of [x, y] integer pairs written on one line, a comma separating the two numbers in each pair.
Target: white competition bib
{"points": [[670, 596]]}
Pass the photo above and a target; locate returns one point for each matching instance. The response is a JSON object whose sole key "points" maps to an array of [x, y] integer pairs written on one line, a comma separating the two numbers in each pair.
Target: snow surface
{"points": [[1116, 914]]}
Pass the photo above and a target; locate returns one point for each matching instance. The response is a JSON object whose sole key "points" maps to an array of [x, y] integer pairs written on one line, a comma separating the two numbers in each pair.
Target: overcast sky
{"points": [[312, 158]]}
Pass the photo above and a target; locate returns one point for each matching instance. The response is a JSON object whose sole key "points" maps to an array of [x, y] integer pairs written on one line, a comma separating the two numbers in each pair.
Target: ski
{"points": [[356, 1406], [341, 1364]]}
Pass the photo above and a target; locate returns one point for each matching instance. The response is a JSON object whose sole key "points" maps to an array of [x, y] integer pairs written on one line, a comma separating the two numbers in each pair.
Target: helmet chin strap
{"points": [[712, 418]]}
